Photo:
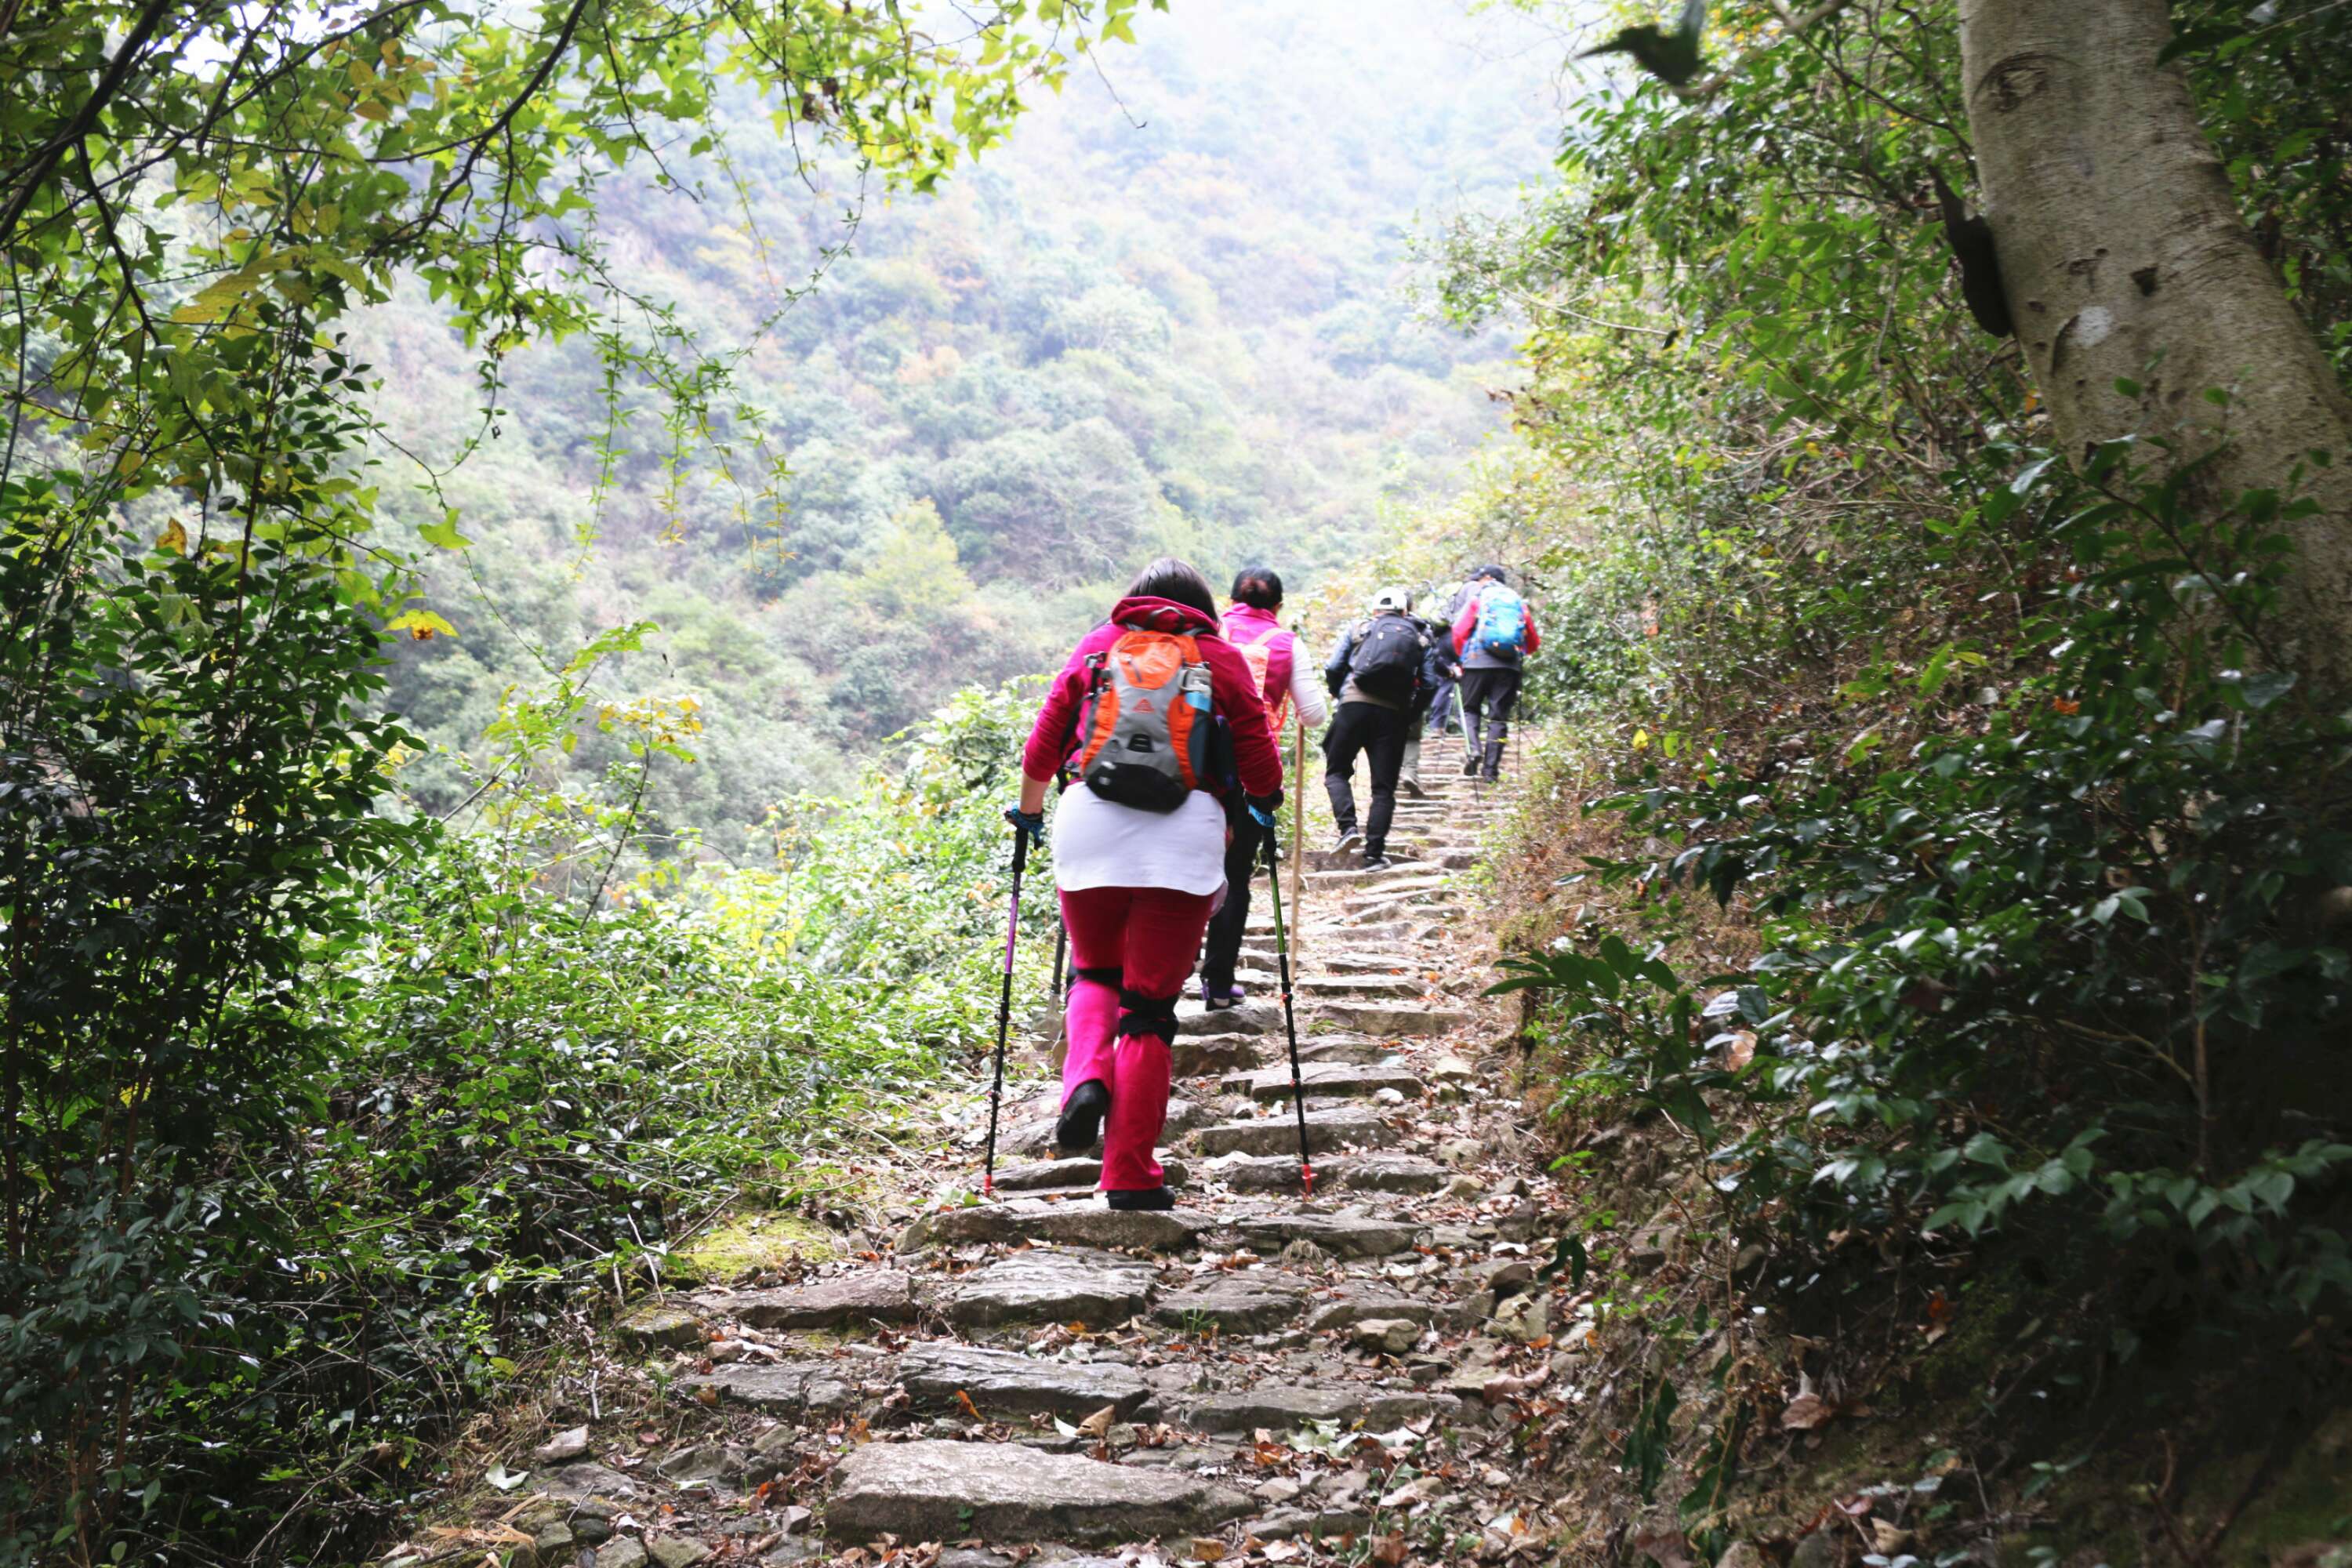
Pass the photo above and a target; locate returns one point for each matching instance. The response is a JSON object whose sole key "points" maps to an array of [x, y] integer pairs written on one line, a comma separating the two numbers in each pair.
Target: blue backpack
{"points": [[1502, 621]]}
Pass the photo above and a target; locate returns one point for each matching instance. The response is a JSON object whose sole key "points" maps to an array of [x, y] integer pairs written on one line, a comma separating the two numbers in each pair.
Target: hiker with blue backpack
{"points": [[1139, 846], [1493, 632], [1380, 672]]}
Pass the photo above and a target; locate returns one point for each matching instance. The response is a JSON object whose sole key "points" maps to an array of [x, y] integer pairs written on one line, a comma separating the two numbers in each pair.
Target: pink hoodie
{"points": [[1053, 738], [1248, 623]]}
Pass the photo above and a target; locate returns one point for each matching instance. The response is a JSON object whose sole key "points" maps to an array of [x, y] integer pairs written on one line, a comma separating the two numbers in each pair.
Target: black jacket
{"points": [[1436, 664]]}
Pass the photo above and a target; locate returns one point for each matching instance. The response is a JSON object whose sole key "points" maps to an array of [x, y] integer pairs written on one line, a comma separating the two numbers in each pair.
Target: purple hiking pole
{"points": [[1004, 1006]]}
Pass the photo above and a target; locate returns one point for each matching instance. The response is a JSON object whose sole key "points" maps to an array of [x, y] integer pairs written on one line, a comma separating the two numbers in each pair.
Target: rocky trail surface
{"points": [[1256, 1376]]}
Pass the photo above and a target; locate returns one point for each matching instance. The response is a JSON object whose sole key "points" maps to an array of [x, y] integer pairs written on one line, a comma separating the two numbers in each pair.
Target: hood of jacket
{"points": [[1162, 615], [1252, 616]]}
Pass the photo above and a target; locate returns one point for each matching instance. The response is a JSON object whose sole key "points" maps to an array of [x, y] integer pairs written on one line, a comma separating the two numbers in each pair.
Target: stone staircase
{"points": [[1256, 1375]]}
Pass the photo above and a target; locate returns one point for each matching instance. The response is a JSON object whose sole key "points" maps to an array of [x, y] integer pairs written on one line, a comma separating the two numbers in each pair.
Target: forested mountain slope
{"points": [[1165, 316]]}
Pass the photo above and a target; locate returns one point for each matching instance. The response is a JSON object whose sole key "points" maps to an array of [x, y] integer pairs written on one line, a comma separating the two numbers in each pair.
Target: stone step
{"points": [[1075, 1172], [1284, 1408], [1340, 1172], [1077, 1285], [1366, 1306], [1329, 1079], [1357, 1048], [1065, 1225], [1328, 859], [1234, 1304], [1029, 1128], [1006, 1383], [1366, 960], [865, 1296], [1355, 933], [1359, 985], [944, 1490], [1391, 1020], [808, 1387], [1256, 1017], [1326, 1133], [1342, 1235], [1196, 1055], [1422, 901]]}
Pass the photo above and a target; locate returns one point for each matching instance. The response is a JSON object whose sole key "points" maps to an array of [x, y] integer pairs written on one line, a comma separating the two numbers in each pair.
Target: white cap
{"points": [[1393, 598]]}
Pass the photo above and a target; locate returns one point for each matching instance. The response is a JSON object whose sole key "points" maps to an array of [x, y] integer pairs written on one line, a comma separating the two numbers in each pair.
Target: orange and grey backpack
{"points": [[1144, 736]]}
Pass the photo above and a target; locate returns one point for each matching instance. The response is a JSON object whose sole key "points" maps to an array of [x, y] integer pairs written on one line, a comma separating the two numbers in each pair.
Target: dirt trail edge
{"points": [[1253, 1377]]}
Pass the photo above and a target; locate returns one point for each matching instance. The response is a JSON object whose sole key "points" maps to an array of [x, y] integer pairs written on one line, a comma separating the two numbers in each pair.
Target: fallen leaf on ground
{"points": [[1667, 1548], [1806, 1413], [1098, 1423]]}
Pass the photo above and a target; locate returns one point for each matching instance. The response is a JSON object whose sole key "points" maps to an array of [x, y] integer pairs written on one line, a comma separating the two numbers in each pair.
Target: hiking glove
{"points": [[1032, 823], [1263, 806]]}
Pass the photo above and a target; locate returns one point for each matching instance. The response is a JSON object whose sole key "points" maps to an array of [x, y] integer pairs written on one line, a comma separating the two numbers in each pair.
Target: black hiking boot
{"points": [[1081, 1121], [1494, 761], [1350, 837], [1469, 763], [1141, 1198]]}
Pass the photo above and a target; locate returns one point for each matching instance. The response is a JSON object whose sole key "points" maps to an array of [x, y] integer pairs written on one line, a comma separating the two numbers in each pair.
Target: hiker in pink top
{"points": [[1287, 675], [1138, 881]]}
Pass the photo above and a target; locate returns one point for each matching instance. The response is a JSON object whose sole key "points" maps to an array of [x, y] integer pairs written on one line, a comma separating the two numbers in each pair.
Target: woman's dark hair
{"points": [[1180, 581], [1258, 587]]}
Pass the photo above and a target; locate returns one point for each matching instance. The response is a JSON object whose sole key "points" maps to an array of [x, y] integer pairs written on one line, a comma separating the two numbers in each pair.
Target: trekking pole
{"points": [[1061, 953], [1005, 1008], [1289, 1015]]}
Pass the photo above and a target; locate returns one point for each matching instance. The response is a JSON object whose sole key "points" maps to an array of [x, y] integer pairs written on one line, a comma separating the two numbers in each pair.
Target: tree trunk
{"points": [[2124, 257]]}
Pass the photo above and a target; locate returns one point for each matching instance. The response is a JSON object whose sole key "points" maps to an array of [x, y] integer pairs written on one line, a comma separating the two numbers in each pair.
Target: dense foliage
{"points": [[2029, 844], [274, 1197]]}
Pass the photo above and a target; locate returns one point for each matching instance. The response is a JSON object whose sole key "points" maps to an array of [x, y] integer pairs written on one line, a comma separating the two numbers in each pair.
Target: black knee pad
{"points": [[1140, 1014], [1112, 977]]}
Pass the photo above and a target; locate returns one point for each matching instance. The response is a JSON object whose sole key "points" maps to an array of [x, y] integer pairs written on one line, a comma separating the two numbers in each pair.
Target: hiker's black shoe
{"points": [[1412, 787], [1350, 837], [1469, 764], [1217, 998], [1494, 761], [1376, 860], [1141, 1198], [1082, 1115]]}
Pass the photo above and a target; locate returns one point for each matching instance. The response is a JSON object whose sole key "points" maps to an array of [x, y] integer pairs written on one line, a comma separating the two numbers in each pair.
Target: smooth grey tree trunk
{"points": [[2124, 257]]}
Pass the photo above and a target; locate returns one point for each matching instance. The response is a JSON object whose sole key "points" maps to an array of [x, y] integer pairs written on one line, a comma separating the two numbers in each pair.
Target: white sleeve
{"points": [[1306, 685]]}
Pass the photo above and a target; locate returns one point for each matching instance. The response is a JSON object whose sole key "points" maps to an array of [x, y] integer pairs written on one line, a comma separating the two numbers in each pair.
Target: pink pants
{"points": [[1151, 936]]}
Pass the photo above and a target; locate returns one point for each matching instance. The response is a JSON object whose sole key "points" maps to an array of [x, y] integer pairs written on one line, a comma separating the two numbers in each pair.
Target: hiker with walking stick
{"points": [[1285, 674], [1139, 849]]}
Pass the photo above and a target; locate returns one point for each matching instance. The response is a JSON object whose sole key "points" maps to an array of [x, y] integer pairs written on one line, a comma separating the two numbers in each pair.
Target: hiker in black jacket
{"points": [[1380, 673], [1437, 682]]}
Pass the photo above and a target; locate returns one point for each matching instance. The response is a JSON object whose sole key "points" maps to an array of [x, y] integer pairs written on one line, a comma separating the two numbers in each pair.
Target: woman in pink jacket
{"points": [[1138, 885]]}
